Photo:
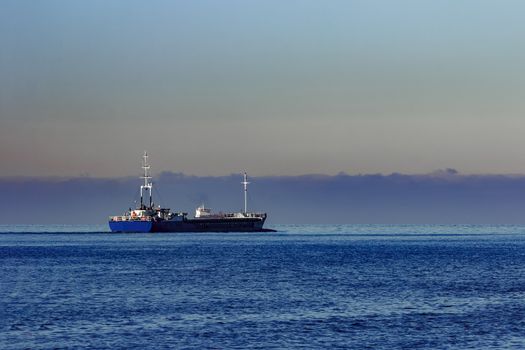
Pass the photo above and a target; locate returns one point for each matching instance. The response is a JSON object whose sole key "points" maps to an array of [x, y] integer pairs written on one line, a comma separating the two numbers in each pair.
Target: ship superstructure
{"points": [[148, 218]]}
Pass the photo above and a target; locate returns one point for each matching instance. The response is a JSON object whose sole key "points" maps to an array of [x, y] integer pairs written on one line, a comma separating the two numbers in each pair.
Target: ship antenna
{"points": [[245, 183], [147, 184]]}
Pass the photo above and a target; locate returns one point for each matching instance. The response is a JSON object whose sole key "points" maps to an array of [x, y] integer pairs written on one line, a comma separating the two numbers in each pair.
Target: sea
{"points": [[302, 287]]}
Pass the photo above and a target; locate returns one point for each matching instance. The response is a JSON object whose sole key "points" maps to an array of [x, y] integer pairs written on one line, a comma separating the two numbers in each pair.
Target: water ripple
{"points": [[342, 286]]}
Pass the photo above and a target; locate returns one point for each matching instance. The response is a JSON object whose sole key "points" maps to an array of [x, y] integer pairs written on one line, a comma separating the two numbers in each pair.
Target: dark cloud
{"points": [[395, 198]]}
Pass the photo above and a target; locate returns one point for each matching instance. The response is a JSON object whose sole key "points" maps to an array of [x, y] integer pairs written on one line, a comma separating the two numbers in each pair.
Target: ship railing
{"points": [[246, 215], [129, 218], [255, 215]]}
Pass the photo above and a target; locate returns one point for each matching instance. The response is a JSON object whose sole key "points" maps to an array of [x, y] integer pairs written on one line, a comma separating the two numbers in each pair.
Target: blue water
{"points": [[353, 286]]}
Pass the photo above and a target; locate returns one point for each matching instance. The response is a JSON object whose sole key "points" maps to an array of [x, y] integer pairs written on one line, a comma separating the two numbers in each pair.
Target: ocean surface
{"points": [[329, 286]]}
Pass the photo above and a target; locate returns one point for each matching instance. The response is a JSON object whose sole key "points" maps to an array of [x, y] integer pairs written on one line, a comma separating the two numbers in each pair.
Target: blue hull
{"points": [[212, 225], [131, 226]]}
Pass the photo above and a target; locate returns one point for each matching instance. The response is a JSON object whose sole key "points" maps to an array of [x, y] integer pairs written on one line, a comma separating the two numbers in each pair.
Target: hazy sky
{"points": [[273, 87], [438, 198]]}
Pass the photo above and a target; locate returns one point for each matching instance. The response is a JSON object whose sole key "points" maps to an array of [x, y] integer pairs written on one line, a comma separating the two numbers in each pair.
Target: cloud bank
{"points": [[444, 197]]}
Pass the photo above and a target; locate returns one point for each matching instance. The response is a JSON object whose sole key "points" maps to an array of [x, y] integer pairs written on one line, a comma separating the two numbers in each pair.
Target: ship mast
{"points": [[245, 183], [147, 185]]}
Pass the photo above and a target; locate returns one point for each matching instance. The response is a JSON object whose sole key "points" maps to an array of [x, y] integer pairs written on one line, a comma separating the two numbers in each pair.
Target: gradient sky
{"points": [[271, 87]]}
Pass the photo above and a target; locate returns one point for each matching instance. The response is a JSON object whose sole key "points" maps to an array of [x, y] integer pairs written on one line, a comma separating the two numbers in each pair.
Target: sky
{"points": [[278, 88]]}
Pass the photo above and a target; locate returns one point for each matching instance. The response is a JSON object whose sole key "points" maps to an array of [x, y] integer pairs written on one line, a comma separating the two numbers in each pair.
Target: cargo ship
{"points": [[148, 218]]}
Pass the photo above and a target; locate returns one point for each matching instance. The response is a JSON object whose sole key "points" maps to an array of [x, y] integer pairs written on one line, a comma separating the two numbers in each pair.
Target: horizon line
{"points": [[440, 173]]}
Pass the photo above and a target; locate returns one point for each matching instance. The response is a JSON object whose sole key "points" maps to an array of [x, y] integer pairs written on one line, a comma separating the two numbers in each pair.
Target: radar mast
{"points": [[147, 186], [245, 183]]}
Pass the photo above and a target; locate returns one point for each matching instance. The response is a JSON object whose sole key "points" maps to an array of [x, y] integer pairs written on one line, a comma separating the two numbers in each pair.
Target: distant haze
{"points": [[442, 197], [272, 87]]}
